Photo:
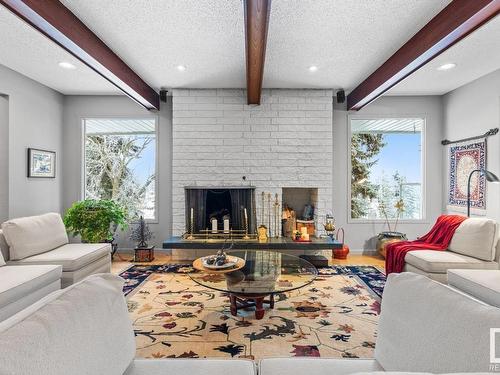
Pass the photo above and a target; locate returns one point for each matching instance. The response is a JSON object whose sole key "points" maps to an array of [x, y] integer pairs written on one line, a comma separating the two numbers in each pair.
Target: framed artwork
{"points": [[465, 158], [41, 163]]}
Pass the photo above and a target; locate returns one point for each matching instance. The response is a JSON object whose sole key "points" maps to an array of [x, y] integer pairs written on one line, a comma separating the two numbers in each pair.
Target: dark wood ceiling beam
{"points": [[452, 24], [59, 24], [256, 27]]}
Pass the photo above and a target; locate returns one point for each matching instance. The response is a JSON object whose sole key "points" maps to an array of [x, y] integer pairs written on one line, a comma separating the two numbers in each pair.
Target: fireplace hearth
{"points": [[218, 212]]}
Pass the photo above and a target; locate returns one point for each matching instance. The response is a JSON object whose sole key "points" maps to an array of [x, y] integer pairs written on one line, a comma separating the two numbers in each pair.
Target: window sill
{"points": [[382, 221]]}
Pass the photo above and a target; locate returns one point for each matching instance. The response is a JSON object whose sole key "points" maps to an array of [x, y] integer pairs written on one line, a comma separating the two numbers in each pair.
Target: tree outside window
{"points": [[120, 164], [386, 165]]}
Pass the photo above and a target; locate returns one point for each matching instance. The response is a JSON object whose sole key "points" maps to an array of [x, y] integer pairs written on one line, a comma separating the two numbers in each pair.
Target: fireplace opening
{"points": [[220, 209]]}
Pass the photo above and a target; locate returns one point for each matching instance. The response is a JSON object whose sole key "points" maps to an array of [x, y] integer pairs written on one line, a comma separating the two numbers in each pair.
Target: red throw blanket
{"points": [[438, 238]]}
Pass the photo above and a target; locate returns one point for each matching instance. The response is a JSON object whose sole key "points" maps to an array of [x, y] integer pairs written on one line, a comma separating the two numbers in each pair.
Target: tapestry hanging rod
{"points": [[489, 133]]}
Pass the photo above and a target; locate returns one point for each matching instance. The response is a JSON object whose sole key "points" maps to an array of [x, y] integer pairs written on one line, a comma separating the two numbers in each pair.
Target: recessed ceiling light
{"points": [[66, 65], [313, 68], [181, 68], [447, 66]]}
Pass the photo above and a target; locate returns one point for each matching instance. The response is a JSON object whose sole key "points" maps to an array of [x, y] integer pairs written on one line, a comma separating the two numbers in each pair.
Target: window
{"points": [[386, 166], [120, 163]]}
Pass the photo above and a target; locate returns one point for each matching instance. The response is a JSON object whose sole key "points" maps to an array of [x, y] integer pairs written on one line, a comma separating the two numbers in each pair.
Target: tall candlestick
{"points": [[263, 209], [192, 219], [191, 224], [246, 223], [269, 210]]}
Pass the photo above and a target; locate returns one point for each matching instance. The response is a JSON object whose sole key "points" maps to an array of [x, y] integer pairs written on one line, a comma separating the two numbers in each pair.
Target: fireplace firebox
{"points": [[220, 210]]}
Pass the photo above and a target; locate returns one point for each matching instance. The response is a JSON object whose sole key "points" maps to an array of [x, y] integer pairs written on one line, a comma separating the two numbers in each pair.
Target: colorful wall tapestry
{"points": [[464, 159]]}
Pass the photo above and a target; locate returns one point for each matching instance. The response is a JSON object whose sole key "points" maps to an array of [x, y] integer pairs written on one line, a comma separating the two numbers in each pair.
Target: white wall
{"points": [[77, 108], [35, 120], [472, 110], [4, 158], [362, 236], [284, 142]]}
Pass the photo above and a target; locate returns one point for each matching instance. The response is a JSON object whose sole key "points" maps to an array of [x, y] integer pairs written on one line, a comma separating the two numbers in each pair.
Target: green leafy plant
{"points": [[95, 220]]}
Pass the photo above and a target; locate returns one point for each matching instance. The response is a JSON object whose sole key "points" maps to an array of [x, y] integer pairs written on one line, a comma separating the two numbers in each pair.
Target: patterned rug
{"points": [[173, 317]]}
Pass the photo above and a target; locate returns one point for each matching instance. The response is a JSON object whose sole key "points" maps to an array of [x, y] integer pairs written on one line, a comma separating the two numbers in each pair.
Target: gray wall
{"points": [[77, 108], [35, 120], [361, 235], [4, 157], [472, 110]]}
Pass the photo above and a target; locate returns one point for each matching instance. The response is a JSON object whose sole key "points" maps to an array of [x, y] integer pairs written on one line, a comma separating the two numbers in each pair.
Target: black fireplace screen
{"points": [[206, 203]]}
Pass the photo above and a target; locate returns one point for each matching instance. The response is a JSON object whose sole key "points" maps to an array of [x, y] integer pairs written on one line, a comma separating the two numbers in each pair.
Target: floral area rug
{"points": [[173, 317]]}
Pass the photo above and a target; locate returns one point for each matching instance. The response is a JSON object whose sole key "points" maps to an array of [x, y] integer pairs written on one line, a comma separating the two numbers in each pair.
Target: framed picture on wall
{"points": [[41, 163]]}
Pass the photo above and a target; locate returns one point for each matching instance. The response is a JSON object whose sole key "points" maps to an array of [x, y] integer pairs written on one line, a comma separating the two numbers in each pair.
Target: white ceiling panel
{"points": [[475, 56], [346, 40], [27, 51]]}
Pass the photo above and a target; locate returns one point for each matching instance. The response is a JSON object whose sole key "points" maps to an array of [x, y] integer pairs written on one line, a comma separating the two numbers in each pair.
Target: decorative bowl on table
{"points": [[219, 261]]}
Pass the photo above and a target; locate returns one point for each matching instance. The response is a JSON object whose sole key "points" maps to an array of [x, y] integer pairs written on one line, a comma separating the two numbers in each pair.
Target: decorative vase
{"points": [[385, 238], [344, 251]]}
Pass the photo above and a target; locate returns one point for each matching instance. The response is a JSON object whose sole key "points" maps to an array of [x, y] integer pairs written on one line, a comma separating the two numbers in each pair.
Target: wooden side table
{"points": [[144, 254]]}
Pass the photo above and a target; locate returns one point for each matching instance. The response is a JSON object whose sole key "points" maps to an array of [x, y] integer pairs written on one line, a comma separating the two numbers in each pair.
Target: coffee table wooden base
{"points": [[239, 302]]}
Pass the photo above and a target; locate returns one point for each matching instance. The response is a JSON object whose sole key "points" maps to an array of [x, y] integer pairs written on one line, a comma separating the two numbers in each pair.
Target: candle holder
{"points": [[191, 226], [246, 237]]}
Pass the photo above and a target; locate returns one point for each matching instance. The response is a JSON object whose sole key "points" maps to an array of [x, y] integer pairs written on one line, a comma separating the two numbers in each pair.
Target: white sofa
{"points": [[85, 329], [42, 240], [474, 246], [424, 326]]}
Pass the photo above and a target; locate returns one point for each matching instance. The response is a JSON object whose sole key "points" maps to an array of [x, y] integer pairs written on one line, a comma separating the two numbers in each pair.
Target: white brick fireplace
{"points": [[285, 142]]}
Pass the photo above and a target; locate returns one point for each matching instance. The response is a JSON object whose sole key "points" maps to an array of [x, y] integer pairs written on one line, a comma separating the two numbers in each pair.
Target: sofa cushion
{"points": [[72, 256], [316, 366], [4, 248], [101, 265], [417, 373], [83, 329], [33, 235], [437, 261], [441, 277], [191, 367], [18, 281], [481, 284], [476, 237], [2, 260], [429, 327]]}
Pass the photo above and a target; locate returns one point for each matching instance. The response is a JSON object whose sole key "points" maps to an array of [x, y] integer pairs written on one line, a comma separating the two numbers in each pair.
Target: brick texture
{"points": [[284, 142]]}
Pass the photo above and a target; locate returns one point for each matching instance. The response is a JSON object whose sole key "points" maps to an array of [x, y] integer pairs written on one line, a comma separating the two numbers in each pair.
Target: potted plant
{"points": [[387, 237], [95, 221]]}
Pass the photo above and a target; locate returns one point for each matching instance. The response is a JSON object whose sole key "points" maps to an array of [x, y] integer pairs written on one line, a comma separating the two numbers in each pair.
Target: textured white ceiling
{"points": [[28, 52], [475, 56], [347, 40]]}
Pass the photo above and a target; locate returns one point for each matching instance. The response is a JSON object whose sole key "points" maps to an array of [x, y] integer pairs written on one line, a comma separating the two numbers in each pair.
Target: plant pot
{"points": [[385, 238], [341, 253]]}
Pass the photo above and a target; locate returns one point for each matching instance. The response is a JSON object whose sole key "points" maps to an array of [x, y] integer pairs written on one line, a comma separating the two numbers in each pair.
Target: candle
{"points": [[226, 225], [305, 236], [303, 230], [245, 212], [214, 225], [192, 221]]}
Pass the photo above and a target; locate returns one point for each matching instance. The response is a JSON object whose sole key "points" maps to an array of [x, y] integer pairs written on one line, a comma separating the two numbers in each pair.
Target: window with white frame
{"points": [[386, 168], [120, 163]]}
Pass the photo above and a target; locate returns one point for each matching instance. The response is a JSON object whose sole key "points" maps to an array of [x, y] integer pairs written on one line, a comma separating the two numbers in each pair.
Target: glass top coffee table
{"points": [[265, 273]]}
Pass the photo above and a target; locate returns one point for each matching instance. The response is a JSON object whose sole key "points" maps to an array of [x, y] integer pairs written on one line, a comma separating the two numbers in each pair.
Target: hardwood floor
{"points": [[122, 261]]}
